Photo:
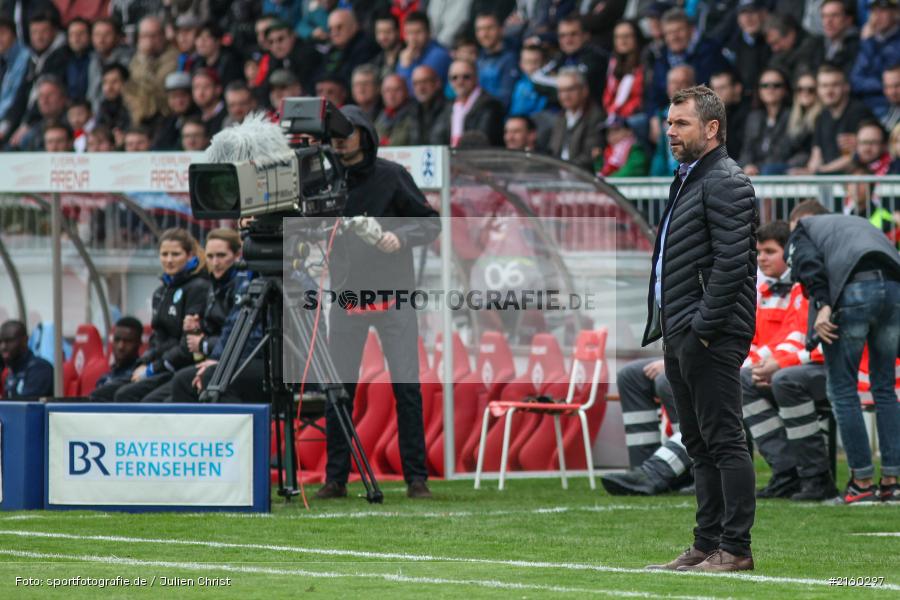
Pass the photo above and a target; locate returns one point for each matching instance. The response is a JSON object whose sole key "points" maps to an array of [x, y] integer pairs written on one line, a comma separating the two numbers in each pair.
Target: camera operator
{"points": [[384, 190]]}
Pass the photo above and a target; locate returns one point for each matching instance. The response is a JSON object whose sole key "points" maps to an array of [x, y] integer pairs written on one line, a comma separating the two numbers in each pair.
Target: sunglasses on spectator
{"points": [[459, 76], [771, 86]]}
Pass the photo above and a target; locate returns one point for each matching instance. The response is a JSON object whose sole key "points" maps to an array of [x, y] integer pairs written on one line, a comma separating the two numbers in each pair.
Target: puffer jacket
{"points": [[709, 258]]}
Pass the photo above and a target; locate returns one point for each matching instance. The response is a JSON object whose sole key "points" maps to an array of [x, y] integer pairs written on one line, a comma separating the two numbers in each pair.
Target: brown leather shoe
{"points": [[722, 561], [332, 489], [417, 490], [689, 557]]}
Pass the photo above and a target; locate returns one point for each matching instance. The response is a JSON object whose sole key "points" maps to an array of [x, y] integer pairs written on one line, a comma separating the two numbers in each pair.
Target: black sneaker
{"points": [[781, 485], [818, 487], [889, 492], [636, 482], [860, 495]]}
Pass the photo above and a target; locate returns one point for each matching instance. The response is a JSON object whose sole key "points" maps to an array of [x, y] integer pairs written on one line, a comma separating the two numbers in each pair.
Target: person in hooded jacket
{"points": [[183, 292], [383, 190], [223, 248]]}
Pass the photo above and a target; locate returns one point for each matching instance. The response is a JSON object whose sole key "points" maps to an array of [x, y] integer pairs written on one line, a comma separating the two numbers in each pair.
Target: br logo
{"points": [[83, 456]]}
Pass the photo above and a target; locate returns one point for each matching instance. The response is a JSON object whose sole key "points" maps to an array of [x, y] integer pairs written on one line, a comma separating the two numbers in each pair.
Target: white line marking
{"points": [[458, 513], [422, 558], [880, 534], [396, 578]]}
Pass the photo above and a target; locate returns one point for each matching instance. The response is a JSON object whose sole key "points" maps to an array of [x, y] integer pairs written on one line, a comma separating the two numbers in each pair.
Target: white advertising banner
{"points": [[154, 459], [127, 172]]}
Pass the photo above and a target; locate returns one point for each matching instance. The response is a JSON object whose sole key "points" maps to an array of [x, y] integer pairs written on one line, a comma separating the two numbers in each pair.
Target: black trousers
{"points": [[707, 387], [398, 331], [125, 391], [246, 388]]}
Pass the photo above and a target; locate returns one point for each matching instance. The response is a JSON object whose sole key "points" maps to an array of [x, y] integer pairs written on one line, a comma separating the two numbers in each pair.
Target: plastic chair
{"points": [[86, 350], [588, 358]]}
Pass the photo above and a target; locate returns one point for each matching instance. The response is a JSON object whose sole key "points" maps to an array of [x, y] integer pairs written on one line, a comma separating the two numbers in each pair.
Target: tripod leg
{"points": [[373, 492]]}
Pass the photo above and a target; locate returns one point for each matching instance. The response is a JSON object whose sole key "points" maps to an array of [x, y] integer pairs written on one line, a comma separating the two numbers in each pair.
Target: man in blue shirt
{"points": [[421, 50], [28, 376], [497, 66]]}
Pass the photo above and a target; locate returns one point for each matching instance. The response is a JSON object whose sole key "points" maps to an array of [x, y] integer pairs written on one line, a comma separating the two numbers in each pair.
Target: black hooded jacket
{"points": [[223, 295], [183, 294], [382, 189]]}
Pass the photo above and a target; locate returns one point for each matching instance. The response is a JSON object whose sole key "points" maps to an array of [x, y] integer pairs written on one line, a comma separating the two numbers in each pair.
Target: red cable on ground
{"points": [[312, 347]]}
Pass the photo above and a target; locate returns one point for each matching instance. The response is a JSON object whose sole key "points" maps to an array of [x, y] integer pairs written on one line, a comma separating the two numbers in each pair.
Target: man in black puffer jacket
{"points": [[702, 302]]}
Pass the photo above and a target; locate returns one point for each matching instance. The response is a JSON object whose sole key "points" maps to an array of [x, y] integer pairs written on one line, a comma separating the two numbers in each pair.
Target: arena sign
{"points": [[157, 457]]}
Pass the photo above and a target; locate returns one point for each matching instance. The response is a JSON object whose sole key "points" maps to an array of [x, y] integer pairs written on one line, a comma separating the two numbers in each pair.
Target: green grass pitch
{"points": [[532, 540]]}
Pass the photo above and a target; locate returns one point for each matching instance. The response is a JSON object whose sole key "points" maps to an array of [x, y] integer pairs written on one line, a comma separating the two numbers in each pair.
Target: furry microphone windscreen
{"points": [[257, 139]]}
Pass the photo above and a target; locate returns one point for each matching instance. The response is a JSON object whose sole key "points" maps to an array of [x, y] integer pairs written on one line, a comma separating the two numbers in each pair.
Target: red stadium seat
{"points": [[494, 370], [588, 368], [545, 367], [87, 349]]}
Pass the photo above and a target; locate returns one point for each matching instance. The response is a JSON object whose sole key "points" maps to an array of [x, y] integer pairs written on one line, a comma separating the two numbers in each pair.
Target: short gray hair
{"points": [[708, 106], [367, 69], [573, 72]]}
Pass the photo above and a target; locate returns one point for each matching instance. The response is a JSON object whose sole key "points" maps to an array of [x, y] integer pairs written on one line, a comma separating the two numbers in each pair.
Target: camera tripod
{"points": [[264, 304]]}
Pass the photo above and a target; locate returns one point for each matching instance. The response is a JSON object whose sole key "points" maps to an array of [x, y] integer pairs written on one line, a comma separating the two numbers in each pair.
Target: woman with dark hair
{"points": [[624, 89], [183, 292], [766, 148]]}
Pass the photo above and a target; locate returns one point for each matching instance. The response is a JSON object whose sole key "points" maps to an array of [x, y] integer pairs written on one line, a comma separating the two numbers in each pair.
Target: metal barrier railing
{"points": [[778, 195]]}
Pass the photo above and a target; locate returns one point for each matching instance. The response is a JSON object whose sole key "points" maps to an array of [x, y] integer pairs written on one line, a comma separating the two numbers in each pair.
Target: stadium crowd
{"points": [[811, 86]]}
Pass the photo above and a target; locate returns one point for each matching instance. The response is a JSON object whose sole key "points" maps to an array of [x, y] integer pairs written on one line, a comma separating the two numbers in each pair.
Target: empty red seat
{"points": [[86, 350]]}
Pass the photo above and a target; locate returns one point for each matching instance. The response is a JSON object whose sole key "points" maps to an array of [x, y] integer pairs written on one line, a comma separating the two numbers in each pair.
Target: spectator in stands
{"points": [[834, 139], [211, 54], [51, 106], [664, 163], [520, 133], [783, 384], [765, 149], [23, 12], [313, 25], [599, 18], [624, 91], [840, 43], [186, 29], [137, 139], [286, 52], [113, 112], [57, 137], [497, 65], [843, 261], [130, 13], [730, 91], [183, 292], [15, 60], [387, 36], [100, 139], [333, 89], [684, 45], [622, 154], [448, 18], [890, 81], [151, 63], [871, 148], [430, 101], [181, 106], [256, 63], [895, 151], [126, 349], [878, 50], [106, 38], [78, 57], [464, 48], [364, 90], [194, 137], [48, 46], [350, 46], [239, 102], [525, 98], [80, 118], [28, 376], [747, 49], [473, 109], [792, 49], [283, 84], [396, 125], [576, 131], [574, 51], [206, 90], [802, 122], [421, 50], [203, 331]]}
